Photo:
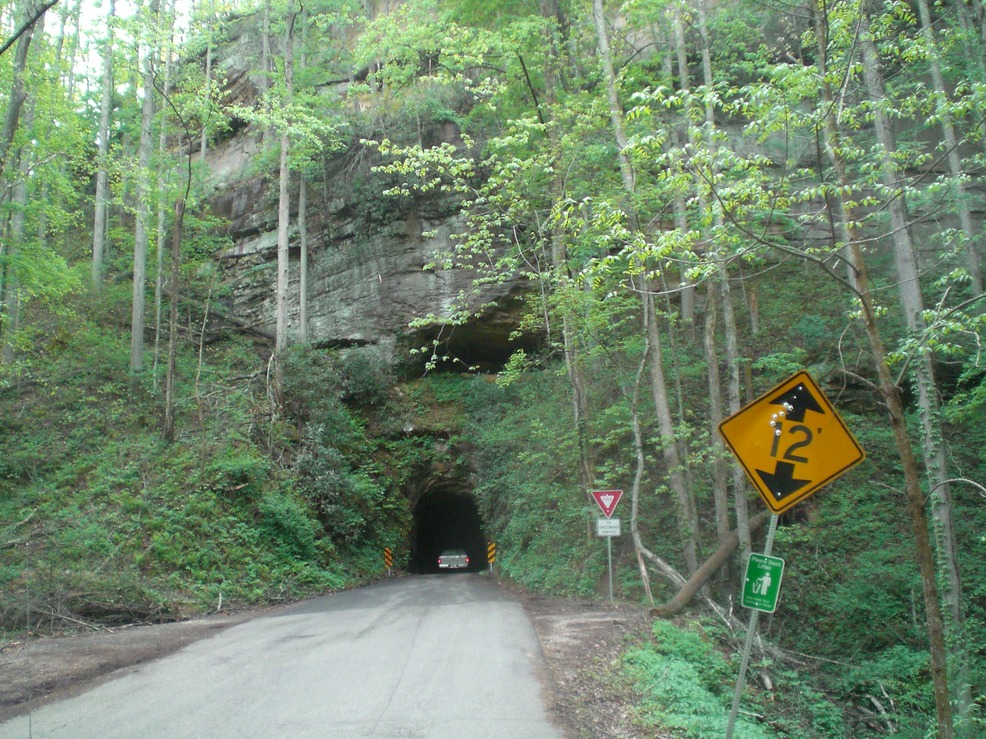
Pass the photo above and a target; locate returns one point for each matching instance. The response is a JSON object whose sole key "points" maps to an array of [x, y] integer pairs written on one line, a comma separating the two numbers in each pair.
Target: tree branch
{"points": [[28, 24], [703, 573]]}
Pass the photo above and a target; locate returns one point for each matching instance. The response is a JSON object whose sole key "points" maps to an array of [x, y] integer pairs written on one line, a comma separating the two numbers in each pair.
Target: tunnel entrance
{"points": [[446, 519]]}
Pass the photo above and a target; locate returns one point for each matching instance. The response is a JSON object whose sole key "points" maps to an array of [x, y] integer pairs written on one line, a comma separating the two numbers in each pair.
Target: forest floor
{"points": [[581, 641]]}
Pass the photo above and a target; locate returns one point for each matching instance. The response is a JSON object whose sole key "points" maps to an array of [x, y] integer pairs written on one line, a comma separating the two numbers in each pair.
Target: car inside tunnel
{"points": [[446, 520]]}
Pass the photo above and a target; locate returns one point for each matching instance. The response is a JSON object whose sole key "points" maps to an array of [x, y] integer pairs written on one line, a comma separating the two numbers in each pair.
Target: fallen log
{"points": [[707, 570]]}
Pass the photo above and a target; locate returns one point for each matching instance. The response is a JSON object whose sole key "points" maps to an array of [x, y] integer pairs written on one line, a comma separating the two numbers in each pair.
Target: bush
{"points": [[685, 683], [286, 524]]}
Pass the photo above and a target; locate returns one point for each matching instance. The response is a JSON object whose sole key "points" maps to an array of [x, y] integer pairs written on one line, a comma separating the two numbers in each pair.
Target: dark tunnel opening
{"points": [[446, 520]]}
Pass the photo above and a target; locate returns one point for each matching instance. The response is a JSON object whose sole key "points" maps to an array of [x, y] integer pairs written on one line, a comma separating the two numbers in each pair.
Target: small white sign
{"points": [[607, 527]]}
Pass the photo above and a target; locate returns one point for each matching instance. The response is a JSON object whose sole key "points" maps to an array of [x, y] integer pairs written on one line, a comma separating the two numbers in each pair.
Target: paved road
{"points": [[441, 656]]}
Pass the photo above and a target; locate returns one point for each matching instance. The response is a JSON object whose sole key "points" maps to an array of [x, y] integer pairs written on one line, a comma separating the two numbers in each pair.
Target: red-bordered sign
{"points": [[607, 500]]}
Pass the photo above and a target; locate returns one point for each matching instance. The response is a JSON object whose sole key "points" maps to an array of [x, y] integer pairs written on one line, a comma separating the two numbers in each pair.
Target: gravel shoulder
{"points": [[581, 642]]}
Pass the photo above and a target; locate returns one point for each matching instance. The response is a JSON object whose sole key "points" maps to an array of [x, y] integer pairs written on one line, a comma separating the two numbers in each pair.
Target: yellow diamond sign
{"points": [[791, 442]]}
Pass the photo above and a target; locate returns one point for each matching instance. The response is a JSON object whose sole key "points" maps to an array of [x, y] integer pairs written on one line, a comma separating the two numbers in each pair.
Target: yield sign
{"points": [[607, 500], [791, 442]]}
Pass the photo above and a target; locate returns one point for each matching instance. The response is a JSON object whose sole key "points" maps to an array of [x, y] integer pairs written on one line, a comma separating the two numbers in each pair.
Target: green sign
{"points": [[763, 582]]}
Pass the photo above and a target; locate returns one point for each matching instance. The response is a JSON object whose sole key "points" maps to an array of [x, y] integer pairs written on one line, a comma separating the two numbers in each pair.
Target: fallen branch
{"points": [[11, 543], [707, 570]]}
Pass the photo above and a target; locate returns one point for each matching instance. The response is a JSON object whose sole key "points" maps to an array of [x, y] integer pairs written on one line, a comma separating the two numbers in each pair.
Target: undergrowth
{"points": [[103, 522]]}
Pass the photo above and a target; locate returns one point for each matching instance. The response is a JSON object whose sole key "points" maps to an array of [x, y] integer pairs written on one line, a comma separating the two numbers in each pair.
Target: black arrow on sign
{"points": [[782, 482], [798, 400]]}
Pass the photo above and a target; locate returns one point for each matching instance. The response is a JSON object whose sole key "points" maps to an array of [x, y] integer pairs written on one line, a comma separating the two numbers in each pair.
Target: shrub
{"points": [[685, 683]]}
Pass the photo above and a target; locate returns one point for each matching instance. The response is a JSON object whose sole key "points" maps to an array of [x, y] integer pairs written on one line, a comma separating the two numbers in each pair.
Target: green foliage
{"points": [[731, 184], [684, 683], [286, 521], [528, 498], [121, 526]]}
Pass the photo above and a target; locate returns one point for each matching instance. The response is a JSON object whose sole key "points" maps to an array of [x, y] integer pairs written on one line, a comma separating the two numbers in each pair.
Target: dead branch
{"points": [[707, 570], [11, 543]]}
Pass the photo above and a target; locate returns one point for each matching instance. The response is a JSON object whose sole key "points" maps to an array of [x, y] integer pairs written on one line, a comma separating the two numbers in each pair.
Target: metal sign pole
{"points": [[609, 561], [748, 644]]}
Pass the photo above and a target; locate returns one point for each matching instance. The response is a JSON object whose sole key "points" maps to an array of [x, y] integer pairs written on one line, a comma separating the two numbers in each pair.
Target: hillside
{"points": [[311, 284]]}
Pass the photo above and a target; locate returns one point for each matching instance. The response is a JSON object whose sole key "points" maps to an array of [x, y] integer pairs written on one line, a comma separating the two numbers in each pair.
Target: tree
{"points": [[101, 201], [33, 16], [18, 94], [284, 197], [142, 195], [687, 513], [912, 304]]}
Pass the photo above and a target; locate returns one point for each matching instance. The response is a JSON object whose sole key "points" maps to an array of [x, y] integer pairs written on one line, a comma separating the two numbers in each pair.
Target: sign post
{"points": [[388, 560], [790, 442], [608, 527], [491, 554]]}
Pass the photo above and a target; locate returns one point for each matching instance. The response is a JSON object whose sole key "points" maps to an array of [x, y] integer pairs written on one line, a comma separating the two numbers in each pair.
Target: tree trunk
{"points": [[284, 203], [952, 154], [892, 399], [720, 488], [562, 279], [162, 148], [303, 266], [9, 282], [101, 199], [143, 211], [18, 94], [265, 71], [687, 516], [10, 295], [303, 215], [713, 564], [170, 401], [640, 467], [207, 86], [912, 303]]}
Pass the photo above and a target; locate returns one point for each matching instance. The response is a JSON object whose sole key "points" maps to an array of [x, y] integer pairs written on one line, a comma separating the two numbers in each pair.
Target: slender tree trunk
{"points": [[9, 281], [284, 204], [162, 148], [687, 516], [952, 153], [283, 225], [141, 229], [303, 266], [10, 296], [912, 303], [562, 282], [101, 200], [265, 69], [170, 400], [18, 94], [733, 360], [720, 488], [204, 135], [640, 466], [303, 213], [891, 397]]}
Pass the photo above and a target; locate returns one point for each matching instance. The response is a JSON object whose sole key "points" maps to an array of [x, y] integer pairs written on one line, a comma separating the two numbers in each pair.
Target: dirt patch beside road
{"points": [[52, 668], [581, 641]]}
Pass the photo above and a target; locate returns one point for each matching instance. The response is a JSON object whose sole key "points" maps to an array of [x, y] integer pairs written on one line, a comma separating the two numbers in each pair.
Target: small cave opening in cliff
{"points": [[446, 519], [484, 343]]}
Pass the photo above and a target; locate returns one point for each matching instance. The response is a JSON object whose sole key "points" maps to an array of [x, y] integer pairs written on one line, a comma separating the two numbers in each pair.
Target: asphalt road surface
{"points": [[448, 655]]}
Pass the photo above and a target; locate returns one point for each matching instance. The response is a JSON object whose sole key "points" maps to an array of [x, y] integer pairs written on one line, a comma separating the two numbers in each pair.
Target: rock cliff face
{"points": [[367, 256]]}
